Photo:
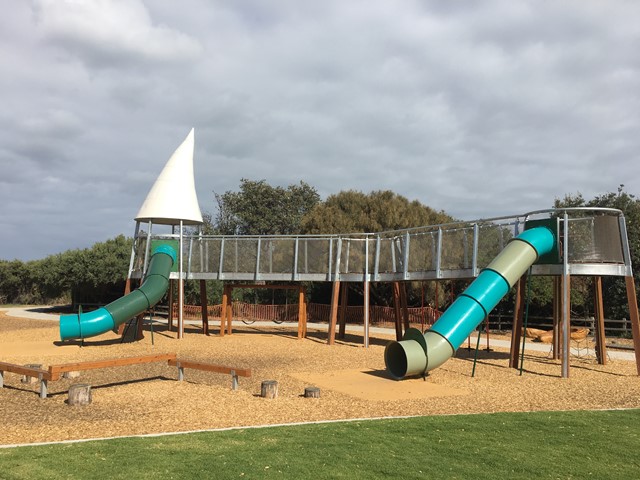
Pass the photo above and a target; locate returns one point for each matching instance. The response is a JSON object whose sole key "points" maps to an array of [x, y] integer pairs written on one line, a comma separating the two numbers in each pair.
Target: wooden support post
{"points": [[635, 319], [170, 301], [397, 311], [557, 316], [230, 311], [405, 306], [226, 298], [140, 326], [344, 302], [601, 349], [335, 294], [269, 389], [79, 394], [127, 291], [302, 313], [518, 318], [204, 307], [311, 392]]}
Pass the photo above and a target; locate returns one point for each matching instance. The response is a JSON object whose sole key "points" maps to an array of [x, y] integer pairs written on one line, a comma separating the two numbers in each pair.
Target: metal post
{"points": [[189, 254], [295, 260], [201, 249], [474, 258], [338, 255], [133, 250], [405, 257], [221, 262], [439, 254], [330, 257], [376, 261], [256, 275], [566, 300], [366, 293], [180, 288], [146, 248]]}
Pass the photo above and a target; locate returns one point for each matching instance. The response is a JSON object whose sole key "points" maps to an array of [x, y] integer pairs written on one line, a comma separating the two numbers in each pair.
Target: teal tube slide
{"points": [[416, 354], [97, 322]]}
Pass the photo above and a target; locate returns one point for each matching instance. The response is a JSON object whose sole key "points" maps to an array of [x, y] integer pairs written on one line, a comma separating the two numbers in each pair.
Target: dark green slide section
{"points": [[156, 282]]}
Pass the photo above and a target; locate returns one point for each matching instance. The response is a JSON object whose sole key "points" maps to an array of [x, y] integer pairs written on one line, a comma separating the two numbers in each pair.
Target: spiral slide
{"points": [[416, 354], [97, 322]]}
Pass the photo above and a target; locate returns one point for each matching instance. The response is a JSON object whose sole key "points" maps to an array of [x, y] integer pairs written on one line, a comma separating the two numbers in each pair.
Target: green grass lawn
{"points": [[536, 445]]}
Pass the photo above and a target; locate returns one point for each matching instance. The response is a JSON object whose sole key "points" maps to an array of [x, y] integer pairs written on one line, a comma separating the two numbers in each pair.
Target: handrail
{"points": [[431, 253]]}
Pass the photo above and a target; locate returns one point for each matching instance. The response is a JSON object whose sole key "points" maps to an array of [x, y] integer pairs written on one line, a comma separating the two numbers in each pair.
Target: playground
{"points": [[147, 399], [216, 373]]}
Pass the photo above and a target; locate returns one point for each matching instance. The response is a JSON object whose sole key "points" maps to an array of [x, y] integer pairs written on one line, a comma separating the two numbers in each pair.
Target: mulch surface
{"points": [[143, 399]]}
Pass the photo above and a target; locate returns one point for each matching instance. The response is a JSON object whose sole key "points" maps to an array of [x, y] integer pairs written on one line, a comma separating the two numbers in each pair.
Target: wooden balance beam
{"points": [[43, 376], [234, 372], [55, 371]]}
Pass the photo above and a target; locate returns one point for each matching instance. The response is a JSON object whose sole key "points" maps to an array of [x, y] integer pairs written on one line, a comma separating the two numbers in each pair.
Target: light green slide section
{"points": [[417, 354]]}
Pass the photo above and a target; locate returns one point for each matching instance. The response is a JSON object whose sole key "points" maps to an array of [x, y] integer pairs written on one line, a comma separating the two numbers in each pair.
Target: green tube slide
{"points": [[416, 354], [97, 322]]}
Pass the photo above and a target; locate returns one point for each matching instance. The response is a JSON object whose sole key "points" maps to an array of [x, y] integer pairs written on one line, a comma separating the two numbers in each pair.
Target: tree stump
{"points": [[71, 374], [269, 389], [28, 378], [79, 394], [311, 392]]}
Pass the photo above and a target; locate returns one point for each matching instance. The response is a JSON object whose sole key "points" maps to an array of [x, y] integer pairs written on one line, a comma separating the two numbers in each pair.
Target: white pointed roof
{"points": [[173, 197]]}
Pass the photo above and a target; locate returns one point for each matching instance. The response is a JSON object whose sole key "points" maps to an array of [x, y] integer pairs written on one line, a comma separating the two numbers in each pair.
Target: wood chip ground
{"points": [[146, 399]]}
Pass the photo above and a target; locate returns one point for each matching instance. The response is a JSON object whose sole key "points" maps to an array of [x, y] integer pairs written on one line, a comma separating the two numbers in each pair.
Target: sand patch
{"points": [[368, 384], [36, 348]]}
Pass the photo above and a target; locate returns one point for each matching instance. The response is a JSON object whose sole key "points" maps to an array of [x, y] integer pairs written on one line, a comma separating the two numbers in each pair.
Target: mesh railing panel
{"points": [[313, 255], [592, 238]]}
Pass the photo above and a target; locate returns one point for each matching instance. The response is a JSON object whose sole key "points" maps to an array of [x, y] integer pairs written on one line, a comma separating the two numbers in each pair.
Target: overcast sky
{"points": [[479, 109]]}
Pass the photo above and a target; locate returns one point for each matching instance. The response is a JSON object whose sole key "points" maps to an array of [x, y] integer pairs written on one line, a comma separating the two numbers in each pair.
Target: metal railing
{"points": [[596, 239]]}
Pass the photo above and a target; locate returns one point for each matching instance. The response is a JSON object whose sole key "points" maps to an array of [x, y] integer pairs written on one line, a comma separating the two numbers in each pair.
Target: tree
{"points": [[356, 212], [260, 209]]}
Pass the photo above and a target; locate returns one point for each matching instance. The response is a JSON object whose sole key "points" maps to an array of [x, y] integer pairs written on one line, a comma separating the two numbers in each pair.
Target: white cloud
{"points": [[112, 32]]}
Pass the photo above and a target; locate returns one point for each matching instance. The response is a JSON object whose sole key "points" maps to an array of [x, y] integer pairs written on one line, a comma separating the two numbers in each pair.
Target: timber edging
{"points": [[54, 372]]}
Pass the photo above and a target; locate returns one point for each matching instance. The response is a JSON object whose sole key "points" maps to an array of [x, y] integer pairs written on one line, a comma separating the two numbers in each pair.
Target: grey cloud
{"points": [[479, 109]]}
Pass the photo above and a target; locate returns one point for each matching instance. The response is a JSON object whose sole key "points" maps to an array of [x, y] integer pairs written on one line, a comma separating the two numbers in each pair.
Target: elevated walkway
{"points": [[596, 240], [588, 242]]}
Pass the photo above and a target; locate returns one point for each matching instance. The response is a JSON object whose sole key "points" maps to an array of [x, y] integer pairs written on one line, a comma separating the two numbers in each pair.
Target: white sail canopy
{"points": [[173, 197]]}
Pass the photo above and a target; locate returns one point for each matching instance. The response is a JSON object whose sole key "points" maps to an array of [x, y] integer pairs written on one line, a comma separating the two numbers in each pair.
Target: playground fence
{"points": [[382, 316], [316, 313]]}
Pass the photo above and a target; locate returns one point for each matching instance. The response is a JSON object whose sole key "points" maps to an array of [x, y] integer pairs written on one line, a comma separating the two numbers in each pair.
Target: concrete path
{"points": [[36, 313]]}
